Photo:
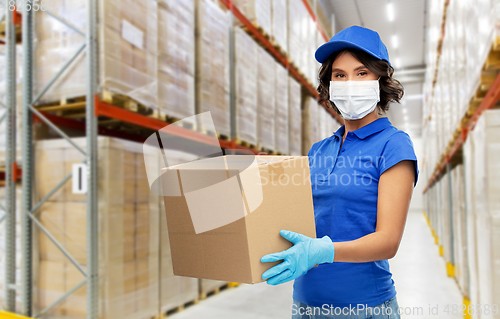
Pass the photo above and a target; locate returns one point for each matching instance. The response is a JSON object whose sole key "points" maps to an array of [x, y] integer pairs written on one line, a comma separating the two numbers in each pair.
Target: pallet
{"points": [[279, 48], [205, 295], [246, 144], [492, 61], [18, 31], [166, 314], [125, 102], [259, 28], [186, 125], [213, 134], [268, 151], [266, 36]]}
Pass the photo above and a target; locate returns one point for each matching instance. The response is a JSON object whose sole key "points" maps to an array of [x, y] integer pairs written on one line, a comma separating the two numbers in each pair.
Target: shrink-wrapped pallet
{"points": [[128, 235], [460, 231], [281, 116], [486, 184], [294, 117], [297, 23], [315, 65], [207, 286], [322, 123], [212, 64], [176, 61], [257, 11], [279, 23], [459, 53], [471, 229], [246, 87], [265, 99], [309, 39], [309, 123], [127, 44]]}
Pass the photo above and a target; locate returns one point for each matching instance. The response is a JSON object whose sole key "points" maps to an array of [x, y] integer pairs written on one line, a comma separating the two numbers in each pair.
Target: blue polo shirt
{"points": [[344, 185]]}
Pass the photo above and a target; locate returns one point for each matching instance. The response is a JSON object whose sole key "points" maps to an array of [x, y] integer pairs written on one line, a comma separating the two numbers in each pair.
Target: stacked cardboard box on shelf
{"points": [[310, 134], [265, 99], [135, 268], [471, 227], [294, 117], [176, 57], [486, 205], [297, 17], [127, 35], [257, 11], [323, 118], [212, 64], [469, 31], [460, 228], [281, 116], [279, 23], [128, 240], [464, 74], [246, 62]]}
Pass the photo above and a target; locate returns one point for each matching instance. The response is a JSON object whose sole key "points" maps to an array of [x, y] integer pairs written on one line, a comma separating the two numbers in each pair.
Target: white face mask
{"points": [[355, 99]]}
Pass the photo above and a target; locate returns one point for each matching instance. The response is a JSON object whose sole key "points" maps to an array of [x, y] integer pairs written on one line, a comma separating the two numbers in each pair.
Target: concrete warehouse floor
{"points": [[418, 272]]}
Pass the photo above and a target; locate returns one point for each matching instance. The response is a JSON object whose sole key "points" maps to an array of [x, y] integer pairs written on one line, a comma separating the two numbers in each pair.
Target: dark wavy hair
{"points": [[391, 90]]}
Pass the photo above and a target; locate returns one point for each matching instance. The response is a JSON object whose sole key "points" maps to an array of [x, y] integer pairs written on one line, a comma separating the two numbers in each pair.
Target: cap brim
{"points": [[327, 49]]}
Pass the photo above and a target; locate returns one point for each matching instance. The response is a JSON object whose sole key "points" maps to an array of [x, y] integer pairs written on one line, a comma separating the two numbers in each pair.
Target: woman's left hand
{"points": [[297, 260]]}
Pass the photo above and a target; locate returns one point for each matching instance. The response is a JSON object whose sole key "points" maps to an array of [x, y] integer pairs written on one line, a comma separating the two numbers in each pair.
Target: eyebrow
{"points": [[356, 69]]}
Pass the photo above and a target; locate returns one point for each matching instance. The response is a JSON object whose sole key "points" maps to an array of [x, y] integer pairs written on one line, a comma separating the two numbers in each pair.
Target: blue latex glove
{"points": [[297, 260]]}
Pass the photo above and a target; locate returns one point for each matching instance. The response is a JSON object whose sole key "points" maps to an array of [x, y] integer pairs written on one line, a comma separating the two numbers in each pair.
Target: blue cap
{"points": [[354, 37]]}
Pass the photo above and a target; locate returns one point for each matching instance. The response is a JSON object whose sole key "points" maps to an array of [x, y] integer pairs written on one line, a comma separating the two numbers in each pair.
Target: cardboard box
{"points": [[224, 213]]}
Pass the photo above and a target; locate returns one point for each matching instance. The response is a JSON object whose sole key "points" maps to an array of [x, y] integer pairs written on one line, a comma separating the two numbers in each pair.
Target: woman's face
{"points": [[347, 68]]}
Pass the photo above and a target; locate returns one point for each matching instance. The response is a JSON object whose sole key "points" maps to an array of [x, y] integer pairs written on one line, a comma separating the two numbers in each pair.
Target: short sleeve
{"points": [[310, 154], [398, 147]]}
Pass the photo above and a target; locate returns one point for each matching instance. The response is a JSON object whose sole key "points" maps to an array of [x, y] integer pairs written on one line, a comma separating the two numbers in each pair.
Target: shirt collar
{"points": [[367, 130]]}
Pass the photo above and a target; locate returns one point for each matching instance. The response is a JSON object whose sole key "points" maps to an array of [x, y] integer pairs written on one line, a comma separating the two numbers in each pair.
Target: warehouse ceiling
{"points": [[401, 25]]}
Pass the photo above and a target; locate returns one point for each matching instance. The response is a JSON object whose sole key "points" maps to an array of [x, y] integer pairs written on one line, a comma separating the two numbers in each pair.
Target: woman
{"points": [[362, 180]]}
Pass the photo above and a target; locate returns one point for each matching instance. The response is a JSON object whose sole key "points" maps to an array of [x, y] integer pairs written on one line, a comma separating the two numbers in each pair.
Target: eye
{"points": [[339, 75], [362, 73]]}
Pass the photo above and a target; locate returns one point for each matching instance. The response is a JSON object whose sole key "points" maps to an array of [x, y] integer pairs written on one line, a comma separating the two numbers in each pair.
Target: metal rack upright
{"points": [[29, 208]]}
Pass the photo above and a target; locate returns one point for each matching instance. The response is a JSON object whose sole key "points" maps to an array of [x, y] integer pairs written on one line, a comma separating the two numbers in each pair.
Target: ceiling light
{"points": [[390, 12], [405, 111], [395, 41], [397, 63]]}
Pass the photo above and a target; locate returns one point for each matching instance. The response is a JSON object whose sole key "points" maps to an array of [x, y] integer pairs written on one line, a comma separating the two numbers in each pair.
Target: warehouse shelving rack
{"points": [[94, 108], [12, 172], [453, 152], [488, 102], [275, 52]]}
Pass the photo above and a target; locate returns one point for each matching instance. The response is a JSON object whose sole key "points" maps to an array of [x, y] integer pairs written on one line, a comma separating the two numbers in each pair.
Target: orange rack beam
{"points": [[17, 173], [489, 101], [104, 109], [282, 59], [311, 12]]}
